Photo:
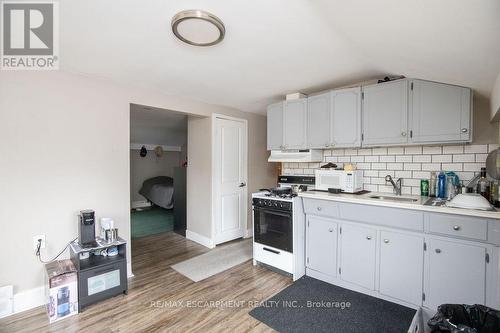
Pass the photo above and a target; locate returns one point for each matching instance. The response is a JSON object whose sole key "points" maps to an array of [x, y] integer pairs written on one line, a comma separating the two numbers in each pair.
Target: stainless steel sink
{"points": [[393, 198]]}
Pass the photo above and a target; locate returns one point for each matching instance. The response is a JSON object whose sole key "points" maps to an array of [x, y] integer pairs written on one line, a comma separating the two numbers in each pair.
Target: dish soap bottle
{"points": [[441, 185]]}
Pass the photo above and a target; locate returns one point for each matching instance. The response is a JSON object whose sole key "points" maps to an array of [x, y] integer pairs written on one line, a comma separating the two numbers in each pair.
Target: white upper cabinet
{"points": [[295, 124], [346, 117], [385, 113], [454, 273], [334, 119], [400, 112], [275, 126], [401, 266], [319, 123], [439, 112]]}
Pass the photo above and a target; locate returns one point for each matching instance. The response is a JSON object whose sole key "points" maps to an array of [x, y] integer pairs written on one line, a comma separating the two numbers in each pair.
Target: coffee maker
{"points": [[86, 228]]}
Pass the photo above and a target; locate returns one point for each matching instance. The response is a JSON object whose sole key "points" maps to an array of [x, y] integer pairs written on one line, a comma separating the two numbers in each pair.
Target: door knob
{"points": [[464, 130], [243, 184], [386, 241], [330, 230], [456, 227], [438, 250], [369, 237], [403, 133], [318, 208]]}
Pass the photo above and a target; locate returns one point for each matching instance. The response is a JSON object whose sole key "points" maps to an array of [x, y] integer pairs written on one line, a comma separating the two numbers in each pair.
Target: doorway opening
{"points": [[158, 161]]}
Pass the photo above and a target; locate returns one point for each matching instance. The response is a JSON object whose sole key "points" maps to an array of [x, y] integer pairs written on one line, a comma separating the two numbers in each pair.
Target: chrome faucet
{"points": [[396, 185]]}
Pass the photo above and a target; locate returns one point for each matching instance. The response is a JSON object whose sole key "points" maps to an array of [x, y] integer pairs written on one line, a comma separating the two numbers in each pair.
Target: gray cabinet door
{"points": [[454, 273], [346, 117], [439, 112], [385, 113], [358, 255], [401, 266], [275, 126], [322, 245], [319, 124], [295, 124]]}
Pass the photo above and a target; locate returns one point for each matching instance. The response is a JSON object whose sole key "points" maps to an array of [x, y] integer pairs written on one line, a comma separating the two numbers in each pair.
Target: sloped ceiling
{"points": [[276, 47], [157, 126]]}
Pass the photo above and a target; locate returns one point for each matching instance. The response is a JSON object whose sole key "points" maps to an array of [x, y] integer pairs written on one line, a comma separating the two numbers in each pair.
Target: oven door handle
{"points": [[275, 211]]}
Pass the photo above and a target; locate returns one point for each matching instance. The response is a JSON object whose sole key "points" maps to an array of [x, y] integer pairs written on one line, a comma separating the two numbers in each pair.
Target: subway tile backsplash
{"points": [[410, 163]]}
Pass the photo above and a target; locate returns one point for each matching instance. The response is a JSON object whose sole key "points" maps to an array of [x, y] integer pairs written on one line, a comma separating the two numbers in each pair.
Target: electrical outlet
{"points": [[35, 241]]}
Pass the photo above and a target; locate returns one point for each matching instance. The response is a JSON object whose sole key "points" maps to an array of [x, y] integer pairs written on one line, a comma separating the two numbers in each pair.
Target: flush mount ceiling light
{"points": [[198, 27]]}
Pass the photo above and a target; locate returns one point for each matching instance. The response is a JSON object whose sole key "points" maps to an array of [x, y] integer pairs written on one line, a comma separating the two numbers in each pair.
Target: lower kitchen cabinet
{"points": [[436, 265], [455, 273], [357, 255], [321, 245], [401, 266]]}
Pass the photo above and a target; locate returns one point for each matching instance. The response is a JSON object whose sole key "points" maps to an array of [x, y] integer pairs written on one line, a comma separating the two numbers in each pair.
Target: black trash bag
{"points": [[462, 318]]}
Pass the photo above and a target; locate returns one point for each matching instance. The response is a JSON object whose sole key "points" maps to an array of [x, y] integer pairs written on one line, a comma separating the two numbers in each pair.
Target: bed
{"points": [[159, 190]]}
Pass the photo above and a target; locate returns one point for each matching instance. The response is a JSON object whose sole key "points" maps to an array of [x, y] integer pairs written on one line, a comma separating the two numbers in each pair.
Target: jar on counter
{"points": [[432, 185], [494, 196], [450, 187]]}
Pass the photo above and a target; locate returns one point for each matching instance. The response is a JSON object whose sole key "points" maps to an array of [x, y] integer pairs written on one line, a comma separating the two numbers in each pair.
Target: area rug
{"points": [[215, 261], [151, 221], [310, 305]]}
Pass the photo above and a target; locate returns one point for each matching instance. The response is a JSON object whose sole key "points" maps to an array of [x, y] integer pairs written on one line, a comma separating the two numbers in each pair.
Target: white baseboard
{"points": [[200, 239], [140, 204], [129, 270], [29, 299], [248, 233]]}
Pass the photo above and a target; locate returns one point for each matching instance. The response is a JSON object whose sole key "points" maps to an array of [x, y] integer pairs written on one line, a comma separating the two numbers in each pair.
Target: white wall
{"points": [[495, 100], [65, 147], [142, 168]]}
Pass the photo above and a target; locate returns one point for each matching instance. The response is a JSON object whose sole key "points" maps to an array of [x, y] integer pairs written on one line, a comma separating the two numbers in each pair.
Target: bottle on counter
{"points": [[441, 185], [450, 187], [424, 187], [494, 200], [483, 185], [432, 185]]}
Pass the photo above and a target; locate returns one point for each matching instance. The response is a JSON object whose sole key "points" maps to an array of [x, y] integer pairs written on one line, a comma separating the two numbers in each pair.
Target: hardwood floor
{"points": [[162, 300]]}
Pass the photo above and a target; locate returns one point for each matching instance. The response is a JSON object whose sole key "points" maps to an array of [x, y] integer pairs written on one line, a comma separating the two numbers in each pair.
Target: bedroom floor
{"points": [[151, 221]]}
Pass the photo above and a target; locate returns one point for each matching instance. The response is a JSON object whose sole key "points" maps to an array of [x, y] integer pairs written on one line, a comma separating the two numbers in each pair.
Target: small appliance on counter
{"points": [[86, 228], [108, 231], [347, 181]]}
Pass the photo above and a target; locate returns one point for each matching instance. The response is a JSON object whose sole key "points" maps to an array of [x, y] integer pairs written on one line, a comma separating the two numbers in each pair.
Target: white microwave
{"points": [[347, 181]]}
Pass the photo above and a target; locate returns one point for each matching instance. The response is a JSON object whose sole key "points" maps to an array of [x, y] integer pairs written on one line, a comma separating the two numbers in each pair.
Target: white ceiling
{"points": [[276, 47], [157, 126]]}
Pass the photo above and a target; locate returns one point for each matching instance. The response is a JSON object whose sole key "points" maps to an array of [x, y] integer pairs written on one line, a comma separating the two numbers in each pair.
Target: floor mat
{"points": [[151, 221], [216, 260], [310, 305]]}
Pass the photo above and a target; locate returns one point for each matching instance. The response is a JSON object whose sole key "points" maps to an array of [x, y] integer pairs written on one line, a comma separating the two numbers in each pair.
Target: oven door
{"points": [[273, 227]]}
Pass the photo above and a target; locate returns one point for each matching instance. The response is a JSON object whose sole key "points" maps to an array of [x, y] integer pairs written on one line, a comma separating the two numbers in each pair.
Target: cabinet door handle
{"points": [[456, 227], [319, 209], [438, 250], [386, 241], [464, 130], [330, 230], [369, 237], [403, 133]]}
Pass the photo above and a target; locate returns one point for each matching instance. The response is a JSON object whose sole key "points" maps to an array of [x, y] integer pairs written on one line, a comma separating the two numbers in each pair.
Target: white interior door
{"points": [[230, 179]]}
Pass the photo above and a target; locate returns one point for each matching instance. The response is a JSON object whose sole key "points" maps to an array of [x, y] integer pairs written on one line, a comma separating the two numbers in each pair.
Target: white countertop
{"points": [[415, 205]]}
